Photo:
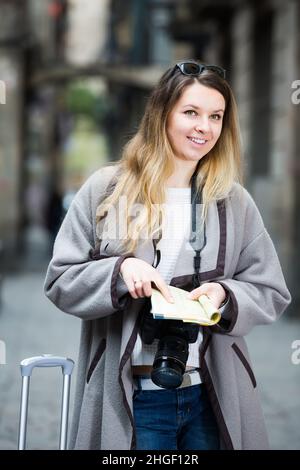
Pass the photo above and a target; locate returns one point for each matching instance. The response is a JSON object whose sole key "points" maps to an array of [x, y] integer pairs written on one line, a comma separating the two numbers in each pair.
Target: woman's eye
{"points": [[216, 117], [190, 112]]}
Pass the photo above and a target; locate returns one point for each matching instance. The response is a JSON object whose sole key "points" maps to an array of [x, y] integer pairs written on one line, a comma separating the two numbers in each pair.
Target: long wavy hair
{"points": [[147, 160]]}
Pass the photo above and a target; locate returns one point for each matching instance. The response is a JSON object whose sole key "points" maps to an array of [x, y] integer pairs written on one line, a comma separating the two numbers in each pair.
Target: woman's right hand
{"points": [[138, 275]]}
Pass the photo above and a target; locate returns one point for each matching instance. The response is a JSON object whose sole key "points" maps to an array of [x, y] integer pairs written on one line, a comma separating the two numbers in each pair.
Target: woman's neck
{"points": [[181, 176]]}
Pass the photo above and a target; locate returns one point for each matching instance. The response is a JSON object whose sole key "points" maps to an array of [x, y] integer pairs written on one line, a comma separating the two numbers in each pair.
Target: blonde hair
{"points": [[147, 160]]}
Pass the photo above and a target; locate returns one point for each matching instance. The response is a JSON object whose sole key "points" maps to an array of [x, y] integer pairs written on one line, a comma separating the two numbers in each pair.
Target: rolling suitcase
{"points": [[27, 366]]}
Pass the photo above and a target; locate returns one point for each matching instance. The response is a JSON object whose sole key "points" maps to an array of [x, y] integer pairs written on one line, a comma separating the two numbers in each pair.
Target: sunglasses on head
{"points": [[194, 69]]}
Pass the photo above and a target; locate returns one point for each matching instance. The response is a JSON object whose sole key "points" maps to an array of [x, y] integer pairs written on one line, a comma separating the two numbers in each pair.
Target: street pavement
{"points": [[30, 325]]}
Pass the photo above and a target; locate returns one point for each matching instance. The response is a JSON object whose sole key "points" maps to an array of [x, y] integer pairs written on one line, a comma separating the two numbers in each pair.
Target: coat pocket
{"points": [[245, 363], [100, 251], [98, 354]]}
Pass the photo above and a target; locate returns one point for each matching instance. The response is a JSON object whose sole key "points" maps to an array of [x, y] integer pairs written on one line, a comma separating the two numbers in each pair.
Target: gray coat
{"points": [[85, 282]]}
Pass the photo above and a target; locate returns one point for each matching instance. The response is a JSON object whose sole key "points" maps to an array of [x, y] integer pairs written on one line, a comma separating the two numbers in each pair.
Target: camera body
{"points": [[173, 347]]}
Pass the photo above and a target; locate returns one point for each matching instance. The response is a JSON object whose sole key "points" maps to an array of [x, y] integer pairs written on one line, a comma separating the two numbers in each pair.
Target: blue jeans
{"points": [[178, 419]]}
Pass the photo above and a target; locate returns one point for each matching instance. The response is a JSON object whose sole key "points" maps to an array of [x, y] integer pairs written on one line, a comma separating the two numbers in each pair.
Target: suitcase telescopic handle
{"points": [[46, 360], [27, 366]]}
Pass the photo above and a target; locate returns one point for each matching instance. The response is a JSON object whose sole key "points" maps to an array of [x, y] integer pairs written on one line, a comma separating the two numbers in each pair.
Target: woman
{"points": [[185, 156]]}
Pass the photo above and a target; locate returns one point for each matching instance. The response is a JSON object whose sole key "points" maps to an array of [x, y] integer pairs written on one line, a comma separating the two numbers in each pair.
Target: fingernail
{"points": [[171, 300]]}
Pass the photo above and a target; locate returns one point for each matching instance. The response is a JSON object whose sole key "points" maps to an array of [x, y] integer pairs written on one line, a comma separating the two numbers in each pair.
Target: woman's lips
{"points": [[197, 142]]}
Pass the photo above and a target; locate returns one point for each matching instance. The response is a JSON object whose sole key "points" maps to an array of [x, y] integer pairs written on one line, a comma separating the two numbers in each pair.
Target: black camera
{"points": [[173, 347]]}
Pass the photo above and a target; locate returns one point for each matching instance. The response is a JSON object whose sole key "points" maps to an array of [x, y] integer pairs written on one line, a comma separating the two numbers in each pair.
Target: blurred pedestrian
{"points": [[186, 153], [54, 214]]}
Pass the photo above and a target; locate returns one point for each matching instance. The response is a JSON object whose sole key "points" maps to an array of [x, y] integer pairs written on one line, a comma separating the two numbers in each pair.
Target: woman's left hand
{"points": [[213, 290]]}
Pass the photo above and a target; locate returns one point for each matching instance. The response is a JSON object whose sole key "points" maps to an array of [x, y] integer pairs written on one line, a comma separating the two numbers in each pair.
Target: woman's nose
{"points": [[203, 126]]}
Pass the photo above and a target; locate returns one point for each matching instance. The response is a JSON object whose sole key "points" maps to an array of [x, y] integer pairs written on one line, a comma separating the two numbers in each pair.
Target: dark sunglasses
{"points": [[194, 69]]}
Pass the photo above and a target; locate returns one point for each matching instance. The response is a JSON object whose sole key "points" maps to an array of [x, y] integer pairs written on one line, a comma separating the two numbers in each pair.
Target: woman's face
{"points": [[195, 123]]}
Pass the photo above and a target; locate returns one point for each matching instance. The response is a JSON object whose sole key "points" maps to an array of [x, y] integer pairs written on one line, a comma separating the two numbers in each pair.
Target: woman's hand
{"points": [[213, 290], [138, 275]]}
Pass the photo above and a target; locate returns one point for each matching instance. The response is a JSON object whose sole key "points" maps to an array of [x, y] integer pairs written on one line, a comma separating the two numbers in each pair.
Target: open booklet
{"points": [[199, 311]]}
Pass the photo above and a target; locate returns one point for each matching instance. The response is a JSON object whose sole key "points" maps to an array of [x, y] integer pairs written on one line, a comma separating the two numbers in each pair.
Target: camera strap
{"points": [[197, 235], [198, 229]]}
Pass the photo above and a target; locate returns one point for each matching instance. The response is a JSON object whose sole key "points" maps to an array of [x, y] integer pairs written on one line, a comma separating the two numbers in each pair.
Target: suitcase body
{"points": [[27, 366]]}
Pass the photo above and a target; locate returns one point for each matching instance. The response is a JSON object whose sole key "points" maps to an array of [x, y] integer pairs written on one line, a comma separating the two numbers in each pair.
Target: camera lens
{"points": [[166, 374], [169, 363]]}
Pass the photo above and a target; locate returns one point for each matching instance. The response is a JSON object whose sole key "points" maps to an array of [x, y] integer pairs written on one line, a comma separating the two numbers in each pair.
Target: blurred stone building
{"points": [[128, 43], [12, 39], [258, 44]]}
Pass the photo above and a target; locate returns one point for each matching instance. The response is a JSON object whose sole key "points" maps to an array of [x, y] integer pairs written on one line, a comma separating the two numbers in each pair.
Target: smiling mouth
{"points": [[197, 141]]}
